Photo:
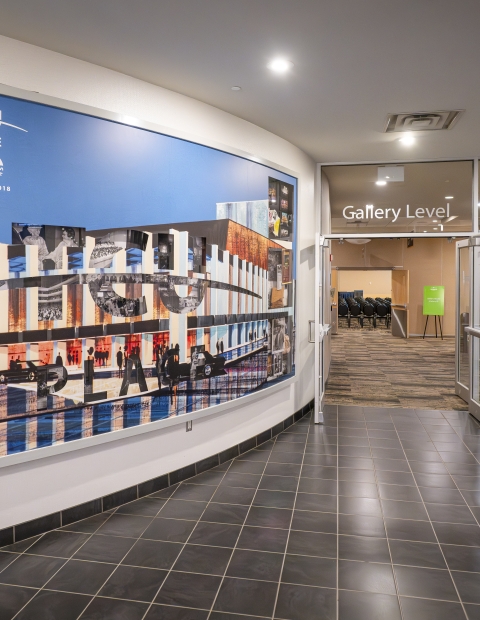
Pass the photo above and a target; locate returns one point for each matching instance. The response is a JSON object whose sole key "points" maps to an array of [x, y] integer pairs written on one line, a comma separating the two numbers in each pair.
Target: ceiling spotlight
{"points": [[280, 65], [435, 228], [380, 182], [434, 221], [407, 139], [236, 88], [424, 231], [448, 197]]}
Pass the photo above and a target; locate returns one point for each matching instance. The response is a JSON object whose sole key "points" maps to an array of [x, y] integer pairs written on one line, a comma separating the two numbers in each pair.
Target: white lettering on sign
{"points": [[369, 212]]}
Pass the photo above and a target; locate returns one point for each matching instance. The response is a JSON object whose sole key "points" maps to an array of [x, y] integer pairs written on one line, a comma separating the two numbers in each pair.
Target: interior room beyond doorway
{"points": [[378, 354]]}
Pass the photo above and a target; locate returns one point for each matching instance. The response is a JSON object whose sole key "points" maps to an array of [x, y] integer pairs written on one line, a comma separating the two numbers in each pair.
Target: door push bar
{"points": [[324, 329]]}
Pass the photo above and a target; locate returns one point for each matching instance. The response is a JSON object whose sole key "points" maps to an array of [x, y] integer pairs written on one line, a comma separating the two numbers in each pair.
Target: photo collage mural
{"points": [[141, 276]]}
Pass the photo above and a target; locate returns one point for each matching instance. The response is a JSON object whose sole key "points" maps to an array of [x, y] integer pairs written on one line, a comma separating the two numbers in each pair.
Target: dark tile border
{"points": [[19, 532]]}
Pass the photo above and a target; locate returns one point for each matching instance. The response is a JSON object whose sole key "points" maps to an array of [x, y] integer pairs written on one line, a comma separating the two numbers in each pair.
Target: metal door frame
{"points": [[460, 389]]}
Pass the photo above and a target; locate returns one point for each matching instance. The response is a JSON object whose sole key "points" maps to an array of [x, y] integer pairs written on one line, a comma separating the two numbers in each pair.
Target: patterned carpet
{"points": [[371, 368]]}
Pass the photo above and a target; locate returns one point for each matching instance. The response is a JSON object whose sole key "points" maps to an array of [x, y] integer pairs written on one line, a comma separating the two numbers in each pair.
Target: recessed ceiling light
{"points": [[424, 231], [434, 221], [380, 182], [448, 197], [407, 139], [236, 88], [435, 228], [280, 65]]}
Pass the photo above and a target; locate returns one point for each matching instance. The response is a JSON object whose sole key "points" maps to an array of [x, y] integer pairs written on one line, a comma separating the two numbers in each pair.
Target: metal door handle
{"points": [[310, 332]]}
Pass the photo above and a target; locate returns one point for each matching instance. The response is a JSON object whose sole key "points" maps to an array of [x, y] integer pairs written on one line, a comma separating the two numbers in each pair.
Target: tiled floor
{"points": [[373, 516]]}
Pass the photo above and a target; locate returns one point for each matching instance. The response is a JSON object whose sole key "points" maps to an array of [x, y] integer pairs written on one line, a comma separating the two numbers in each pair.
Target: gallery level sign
{"points": [[370, 212]]}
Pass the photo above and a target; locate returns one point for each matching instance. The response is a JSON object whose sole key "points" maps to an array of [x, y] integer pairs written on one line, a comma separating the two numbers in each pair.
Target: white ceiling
{"points": [[355, 61]]}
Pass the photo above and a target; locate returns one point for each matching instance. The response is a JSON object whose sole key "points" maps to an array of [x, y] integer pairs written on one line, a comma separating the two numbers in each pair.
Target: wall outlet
{"points": [[189, 425]]}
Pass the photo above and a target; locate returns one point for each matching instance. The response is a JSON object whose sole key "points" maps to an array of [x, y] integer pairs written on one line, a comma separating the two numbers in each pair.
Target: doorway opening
{"points": [[383, 351]]}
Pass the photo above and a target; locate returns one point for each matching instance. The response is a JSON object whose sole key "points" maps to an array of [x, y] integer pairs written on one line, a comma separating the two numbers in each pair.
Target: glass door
{"points": [[463, 306], [473, 330], [322, 323]]}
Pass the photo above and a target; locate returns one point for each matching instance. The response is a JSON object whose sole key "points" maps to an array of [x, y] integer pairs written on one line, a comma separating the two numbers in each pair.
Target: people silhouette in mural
{"points": [[69, 359], [119, 361], [221, 346], [218, 347], [59, 360]]}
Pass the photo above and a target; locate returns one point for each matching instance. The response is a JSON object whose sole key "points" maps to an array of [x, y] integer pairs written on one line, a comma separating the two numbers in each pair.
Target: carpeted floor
{"points": [[371, 368]]}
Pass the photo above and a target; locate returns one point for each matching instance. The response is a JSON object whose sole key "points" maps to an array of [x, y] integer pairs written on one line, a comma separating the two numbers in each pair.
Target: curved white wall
{"points": [[56, 479]]}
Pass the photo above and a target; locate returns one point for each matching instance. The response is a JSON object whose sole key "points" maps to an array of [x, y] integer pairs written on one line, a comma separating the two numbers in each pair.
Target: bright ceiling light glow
{"points": [[236, 88], [435, 228], [407, 139], [280, 65], [448, 197], [380, 182]]}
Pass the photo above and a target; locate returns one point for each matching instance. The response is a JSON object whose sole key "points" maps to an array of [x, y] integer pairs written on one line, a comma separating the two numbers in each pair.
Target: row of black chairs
{"points": [[360, 308]]}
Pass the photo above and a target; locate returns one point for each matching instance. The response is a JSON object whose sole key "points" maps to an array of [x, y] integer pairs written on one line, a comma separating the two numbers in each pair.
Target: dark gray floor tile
{"points": [[462, 469], [312, 543], [263, 539], [409, 553], [188, 590], [357, 489], [194, 492], [12, 599], [215, 534], [21, 546], [404, 510], [318, 485], [125, 525], [425, 583], [462, 558], [274, 499], [145, 507], [450, 513], [405, 529], [363, 549], [316, 471], [87, 526], [360, 506], [387, 452], [210, 478], [169, 491], [105, 548], [435, 480], [182, 509], [435, 495], [202, 559], [315, 521], [286, 457], [233, 495], [362, 452], [399, 492], [468, 586], [225, 513], [52, 606], [111, 609], [467, 483], [244, 596], [261, 565], [391, 465], [170, 530], [6, 559], [153, 554], [326, 473], [315, 502], [473, 612], [458, 534], [163, 612], [310, 571], [279, 483], [269, 517], [297, 602], [134, 583], [282, 469], [422, 609], [260, 456], [357, 525], [366, 576], [247, 467], [471, 497], [246, 481], [355, 463], [59, 544], [395, 477], [368, 606], [423, 467], [81, 577], [31, 570], [431, 456]]}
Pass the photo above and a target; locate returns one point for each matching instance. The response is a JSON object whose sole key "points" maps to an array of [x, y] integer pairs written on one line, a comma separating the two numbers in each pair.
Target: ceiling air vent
{"points": [[423, 121]]}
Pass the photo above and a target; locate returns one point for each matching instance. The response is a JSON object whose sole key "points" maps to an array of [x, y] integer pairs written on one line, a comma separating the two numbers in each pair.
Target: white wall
{"points": [[32, 488], [373, 283]]}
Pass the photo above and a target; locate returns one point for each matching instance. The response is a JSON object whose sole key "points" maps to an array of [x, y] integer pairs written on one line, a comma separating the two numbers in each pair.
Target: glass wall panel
{"points": [[431, 197], [463, 316]]}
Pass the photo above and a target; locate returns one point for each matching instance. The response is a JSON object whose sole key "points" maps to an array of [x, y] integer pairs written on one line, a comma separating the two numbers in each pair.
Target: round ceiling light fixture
{"points": [[236, 88], [407, 139], [280, 65]]}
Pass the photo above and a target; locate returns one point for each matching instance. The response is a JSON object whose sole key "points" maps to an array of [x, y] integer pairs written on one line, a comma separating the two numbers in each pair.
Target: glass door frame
{"points": [[460, 389]]}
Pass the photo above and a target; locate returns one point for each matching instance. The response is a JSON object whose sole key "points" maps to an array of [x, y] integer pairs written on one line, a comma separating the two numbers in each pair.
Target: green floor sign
{"points": [[434, 300]]}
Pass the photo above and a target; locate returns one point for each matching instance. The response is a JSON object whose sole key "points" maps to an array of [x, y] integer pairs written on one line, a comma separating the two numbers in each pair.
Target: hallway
{"points": [[371, 368], [387, 523]]}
